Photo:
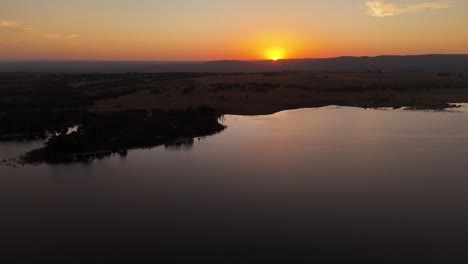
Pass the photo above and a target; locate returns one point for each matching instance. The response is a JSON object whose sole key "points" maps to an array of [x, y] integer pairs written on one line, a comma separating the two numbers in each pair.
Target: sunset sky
{"points": [[225, 29]]}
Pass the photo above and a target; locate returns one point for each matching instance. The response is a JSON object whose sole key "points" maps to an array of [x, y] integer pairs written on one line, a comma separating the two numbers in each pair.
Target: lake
{"points": [[331, 183]]}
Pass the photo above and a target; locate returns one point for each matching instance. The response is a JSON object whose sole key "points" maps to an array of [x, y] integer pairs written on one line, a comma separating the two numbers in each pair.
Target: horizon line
{"points": [[220, 60]]}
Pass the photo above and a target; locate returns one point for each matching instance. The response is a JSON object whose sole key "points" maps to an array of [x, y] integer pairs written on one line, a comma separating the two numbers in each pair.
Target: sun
{"points": [[275, 53]]}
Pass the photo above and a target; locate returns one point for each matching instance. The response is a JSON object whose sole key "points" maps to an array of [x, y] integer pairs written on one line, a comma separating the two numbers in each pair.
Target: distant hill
{"points": [[383, 63]]}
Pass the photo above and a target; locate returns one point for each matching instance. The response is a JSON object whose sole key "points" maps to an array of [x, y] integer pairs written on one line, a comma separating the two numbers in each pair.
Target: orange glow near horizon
{"points": [[273, 46], [205, 30]]}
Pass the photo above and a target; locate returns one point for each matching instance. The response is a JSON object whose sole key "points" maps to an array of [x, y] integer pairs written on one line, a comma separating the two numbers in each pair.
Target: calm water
{"points": [[330, 183]]}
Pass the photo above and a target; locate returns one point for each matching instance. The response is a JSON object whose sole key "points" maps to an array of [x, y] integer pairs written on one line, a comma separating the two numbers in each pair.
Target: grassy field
{"points": [[251, 94]]}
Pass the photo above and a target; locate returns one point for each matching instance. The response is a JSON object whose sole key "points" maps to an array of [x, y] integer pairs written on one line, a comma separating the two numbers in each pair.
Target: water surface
{"points": [[326, 182]]}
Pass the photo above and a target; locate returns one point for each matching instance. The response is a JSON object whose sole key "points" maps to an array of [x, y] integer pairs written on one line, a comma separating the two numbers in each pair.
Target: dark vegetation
{"points": [[20, 125], [32, 104], [24, 92], [58, 91], [432, 107], [103, 134]]}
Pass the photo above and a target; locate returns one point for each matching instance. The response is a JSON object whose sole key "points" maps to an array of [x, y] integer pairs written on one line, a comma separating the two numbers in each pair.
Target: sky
{"points": [[186, 30]]}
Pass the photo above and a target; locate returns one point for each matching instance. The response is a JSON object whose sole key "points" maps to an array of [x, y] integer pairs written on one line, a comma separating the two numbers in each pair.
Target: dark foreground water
{"points": [[328, 184]]}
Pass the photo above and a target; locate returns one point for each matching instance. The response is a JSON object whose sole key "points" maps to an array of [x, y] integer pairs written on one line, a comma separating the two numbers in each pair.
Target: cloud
{"points": [[7, 23], [20, 30], [62, 36], [386, 9], [13, 26], [16, 27]]}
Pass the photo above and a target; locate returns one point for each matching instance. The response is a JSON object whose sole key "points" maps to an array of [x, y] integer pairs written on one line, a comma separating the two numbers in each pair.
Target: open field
{"points": [[252, 94]]}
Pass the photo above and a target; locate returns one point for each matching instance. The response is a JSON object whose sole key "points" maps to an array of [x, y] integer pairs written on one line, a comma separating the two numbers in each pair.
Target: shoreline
{"points": [[64, 155], [118, 112]]}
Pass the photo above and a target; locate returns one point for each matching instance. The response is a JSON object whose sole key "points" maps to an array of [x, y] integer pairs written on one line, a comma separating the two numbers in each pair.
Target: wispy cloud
{"points": [[15, 26], [62, 36], [7, 23], [20, 30], [386, 9]]}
